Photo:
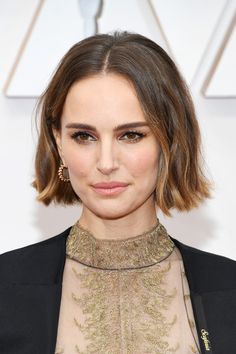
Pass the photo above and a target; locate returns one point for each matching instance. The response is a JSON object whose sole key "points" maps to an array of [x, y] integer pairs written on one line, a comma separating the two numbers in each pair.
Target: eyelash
{"points": [[83, 133]]}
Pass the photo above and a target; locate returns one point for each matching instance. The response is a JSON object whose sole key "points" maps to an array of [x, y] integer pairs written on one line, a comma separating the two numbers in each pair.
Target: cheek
{"points": [[144, 163], [79, 163]]}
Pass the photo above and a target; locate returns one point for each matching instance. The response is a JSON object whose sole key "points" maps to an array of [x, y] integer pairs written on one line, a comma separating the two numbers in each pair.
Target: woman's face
{"points": [[104, 151]]}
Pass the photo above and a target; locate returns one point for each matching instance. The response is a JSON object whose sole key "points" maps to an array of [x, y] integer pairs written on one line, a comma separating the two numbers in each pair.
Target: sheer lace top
{"points": [[125, 296]]}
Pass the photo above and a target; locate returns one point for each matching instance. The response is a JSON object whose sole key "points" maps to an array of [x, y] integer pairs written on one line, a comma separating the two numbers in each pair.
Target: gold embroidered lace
{"points": [[125, 296]]}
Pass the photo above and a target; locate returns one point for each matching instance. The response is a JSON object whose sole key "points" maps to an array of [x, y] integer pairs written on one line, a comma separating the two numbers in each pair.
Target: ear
{"points": [[57, 136]]}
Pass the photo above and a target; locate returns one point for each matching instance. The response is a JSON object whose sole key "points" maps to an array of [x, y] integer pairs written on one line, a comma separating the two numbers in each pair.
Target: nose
{"points": [[107, 157]]}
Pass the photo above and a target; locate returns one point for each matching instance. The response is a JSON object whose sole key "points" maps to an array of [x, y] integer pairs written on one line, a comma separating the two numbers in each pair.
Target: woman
{"points": [[118, 136]]}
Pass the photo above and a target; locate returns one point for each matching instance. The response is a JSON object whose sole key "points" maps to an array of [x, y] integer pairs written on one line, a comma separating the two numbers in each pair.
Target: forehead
{"points": [[109, 96], [104, 82]]}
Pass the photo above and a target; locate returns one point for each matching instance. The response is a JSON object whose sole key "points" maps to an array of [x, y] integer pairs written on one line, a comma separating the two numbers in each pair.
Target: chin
{"points": [[109, 213]]}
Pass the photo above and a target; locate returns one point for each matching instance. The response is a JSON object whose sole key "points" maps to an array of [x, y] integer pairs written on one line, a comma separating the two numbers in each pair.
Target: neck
{"points": [[129, 225]]}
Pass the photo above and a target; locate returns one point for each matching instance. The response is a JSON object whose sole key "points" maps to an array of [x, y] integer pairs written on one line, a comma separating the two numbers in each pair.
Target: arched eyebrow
{"points": [[117, 128]]}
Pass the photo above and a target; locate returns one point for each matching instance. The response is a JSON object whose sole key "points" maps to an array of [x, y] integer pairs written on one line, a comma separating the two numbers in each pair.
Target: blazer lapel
{"points": [[29, 317], [30, 296], [212, 283]]}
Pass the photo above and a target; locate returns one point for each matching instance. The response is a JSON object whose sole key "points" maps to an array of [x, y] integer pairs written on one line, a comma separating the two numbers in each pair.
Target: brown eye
{"points": [[135, 136], [81, 136]]}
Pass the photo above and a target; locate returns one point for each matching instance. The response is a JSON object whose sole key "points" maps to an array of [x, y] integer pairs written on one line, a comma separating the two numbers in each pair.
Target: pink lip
{"points": [[110, 185], [109, 191]]}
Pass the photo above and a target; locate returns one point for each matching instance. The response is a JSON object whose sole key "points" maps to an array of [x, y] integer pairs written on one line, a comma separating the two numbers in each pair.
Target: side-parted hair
{"points": [[166, 103]]}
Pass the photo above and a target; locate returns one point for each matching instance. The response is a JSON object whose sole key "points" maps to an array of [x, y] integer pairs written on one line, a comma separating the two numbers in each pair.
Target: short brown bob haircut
{"points": [[165, 101]]}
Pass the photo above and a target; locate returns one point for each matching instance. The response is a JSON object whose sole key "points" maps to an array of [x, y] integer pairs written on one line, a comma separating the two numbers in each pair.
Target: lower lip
{"points": [[109, 191]]}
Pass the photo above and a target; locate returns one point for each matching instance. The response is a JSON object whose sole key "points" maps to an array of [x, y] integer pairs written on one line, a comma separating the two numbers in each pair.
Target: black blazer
{"points": [[31, 286]]}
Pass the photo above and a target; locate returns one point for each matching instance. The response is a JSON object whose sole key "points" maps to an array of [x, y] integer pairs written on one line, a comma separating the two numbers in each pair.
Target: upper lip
{"points": [[112, 184]]}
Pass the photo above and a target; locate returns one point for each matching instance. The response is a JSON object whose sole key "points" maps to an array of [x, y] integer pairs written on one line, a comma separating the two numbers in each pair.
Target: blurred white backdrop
{"points": [[200, 36]]}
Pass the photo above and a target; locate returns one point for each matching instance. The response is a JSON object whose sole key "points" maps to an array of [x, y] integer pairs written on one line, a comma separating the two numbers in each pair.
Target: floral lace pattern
{"points": [[125, 296]]}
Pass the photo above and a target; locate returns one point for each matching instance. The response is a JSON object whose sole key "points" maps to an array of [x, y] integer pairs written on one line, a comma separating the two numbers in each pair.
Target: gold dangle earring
{"points": [[61, 173]]}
